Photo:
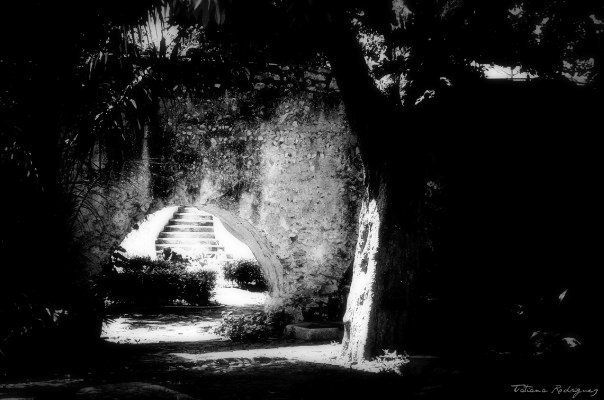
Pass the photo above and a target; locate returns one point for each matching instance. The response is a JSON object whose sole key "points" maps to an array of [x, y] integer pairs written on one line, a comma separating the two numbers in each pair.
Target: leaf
{"points": [[205, 15], [562, 295], [217, 14], [571, 342], [91, 66]]}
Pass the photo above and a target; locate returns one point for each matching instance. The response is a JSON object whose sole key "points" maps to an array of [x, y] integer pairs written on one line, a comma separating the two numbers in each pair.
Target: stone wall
{"points": [[115, 205], [277, 165]]}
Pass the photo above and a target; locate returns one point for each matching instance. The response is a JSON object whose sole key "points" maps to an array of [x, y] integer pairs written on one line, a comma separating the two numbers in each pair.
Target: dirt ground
{"points": [[216, 370], [175, 354]]}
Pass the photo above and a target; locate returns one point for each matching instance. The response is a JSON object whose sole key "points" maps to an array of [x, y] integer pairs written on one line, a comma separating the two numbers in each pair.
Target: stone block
{"points": [[130, 390], [315, 331]]}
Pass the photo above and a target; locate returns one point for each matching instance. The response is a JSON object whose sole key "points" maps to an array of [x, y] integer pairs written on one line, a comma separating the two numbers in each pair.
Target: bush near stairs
{"points": [[247, 274], [141, 281]]}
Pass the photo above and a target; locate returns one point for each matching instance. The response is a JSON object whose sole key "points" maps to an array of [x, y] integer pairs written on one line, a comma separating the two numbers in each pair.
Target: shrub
{"points": [[247, 274], [146, 282], [252, 327], [390, 362]]}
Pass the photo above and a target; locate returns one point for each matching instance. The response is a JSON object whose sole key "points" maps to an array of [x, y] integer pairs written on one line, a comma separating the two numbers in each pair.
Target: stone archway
{"points": [[141, 241], [294, 202], [262, 250]]}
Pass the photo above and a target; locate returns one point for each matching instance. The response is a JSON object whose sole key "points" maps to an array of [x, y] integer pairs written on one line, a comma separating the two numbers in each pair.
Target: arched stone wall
{"points": [[286, 185], [263, 251], [140, 241]]}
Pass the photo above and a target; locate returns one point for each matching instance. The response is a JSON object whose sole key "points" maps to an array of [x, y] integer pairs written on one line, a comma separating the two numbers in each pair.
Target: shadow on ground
{"points": [[278, 369], [218, 370]]}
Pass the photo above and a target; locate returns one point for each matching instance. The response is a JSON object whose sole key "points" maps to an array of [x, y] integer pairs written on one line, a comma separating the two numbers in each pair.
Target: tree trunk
{"points": [[379, 313], [380, 307]]}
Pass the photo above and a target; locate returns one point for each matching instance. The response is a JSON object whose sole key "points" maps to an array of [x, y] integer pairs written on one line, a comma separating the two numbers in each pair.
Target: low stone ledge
{"points": [[130, 390], [315, 331]]}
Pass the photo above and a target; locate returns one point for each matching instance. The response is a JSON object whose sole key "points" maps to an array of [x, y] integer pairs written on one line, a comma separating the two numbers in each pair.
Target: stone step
{"points": [[185, 241], [200, 247], [186, 228], [214, 255], [189, 231], [179, 215], [182, 209], [203, 233], [174, 221], [126, 390], [191, 221], [315, 331]]}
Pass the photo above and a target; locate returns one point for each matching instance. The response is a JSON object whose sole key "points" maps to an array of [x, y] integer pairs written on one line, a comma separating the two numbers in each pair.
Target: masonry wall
{"points": [[113, 206], [282, 163]]}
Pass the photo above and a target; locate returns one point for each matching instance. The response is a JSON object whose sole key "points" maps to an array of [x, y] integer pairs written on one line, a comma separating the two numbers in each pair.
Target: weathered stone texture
{"points": [[290, 177]]}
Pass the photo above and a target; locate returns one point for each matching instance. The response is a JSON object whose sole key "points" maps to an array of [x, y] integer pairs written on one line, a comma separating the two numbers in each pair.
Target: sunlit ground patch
{"points": [[230, 296], [324, 354], [156, 328], [236, 359], [195, 325]]}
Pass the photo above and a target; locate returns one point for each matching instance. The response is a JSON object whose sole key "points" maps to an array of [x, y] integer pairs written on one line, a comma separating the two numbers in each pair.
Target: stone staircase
{"points": [[190, 232]]}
